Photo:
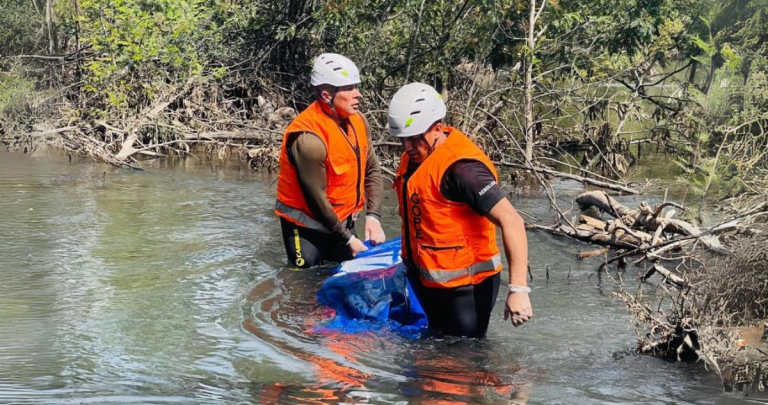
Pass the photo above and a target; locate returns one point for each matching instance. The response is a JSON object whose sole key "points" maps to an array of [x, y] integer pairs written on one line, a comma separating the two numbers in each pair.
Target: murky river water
{"points": [[168, 286]]}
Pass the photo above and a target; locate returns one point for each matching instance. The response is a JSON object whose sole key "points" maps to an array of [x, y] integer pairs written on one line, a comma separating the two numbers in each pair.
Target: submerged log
{"points": [[646, 218], [591, 253], [618, 240], [605, 203], [667, 274]]}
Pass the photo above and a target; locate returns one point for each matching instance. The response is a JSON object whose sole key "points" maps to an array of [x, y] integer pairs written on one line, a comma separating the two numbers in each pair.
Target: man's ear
{"points": [[436, 130], [325, 96]]}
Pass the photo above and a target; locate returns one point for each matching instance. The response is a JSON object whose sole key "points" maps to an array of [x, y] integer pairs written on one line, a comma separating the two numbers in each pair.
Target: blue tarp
{"points": [[374, 287]]}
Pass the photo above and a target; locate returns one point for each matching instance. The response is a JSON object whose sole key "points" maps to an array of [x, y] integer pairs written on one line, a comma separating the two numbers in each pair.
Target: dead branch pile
{"points": [[712, 301], [713, 310], [647, 230], [188, 117]]}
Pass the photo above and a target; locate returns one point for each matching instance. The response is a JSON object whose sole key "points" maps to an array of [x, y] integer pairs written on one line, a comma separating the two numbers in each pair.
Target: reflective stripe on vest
{"points": [[300, 217], [305, 220], [446, 276]]}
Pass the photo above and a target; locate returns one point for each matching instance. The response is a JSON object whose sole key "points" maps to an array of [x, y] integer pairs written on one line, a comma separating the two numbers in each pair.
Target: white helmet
{"points": [[334, 69], [413, 109]]}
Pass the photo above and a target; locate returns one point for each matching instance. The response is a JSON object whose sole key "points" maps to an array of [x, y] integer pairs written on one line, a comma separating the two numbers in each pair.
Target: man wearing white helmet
{"points": [[328, 171], [450, 204]]}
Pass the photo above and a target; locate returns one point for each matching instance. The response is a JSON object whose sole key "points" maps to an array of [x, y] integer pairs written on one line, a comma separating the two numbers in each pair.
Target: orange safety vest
{"points": [[449, 243], [344, 165]]}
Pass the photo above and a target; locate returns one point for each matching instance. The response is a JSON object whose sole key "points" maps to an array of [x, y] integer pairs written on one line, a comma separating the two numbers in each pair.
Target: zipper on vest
{"points": [[359, 171], [407, 221], [356, 149]]}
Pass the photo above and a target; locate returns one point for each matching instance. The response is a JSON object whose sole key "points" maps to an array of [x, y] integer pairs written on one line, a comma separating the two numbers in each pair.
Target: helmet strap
{"points": [[430, 148], [330, 103]]}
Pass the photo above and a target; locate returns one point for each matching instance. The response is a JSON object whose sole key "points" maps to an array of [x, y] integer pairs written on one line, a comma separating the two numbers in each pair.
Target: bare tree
{"points": [[531, 40], [49, 25]]}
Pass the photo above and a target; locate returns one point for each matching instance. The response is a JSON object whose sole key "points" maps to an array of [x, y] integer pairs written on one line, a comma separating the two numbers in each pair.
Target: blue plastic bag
{"points": [[374, 286]]}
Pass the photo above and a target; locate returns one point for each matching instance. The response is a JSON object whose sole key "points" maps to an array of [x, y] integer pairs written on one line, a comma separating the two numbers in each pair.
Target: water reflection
{"points": [[169, 286], [463, 371], [281, 311]]}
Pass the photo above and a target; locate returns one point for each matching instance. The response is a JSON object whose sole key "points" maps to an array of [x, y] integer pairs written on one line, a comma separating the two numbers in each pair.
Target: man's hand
{"points": [[518, 308], [373, 231], [357, 246]]}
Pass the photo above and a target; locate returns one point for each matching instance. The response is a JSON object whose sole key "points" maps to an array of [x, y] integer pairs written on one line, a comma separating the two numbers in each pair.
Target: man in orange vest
{"points": [[449, 203], [328, 171]]}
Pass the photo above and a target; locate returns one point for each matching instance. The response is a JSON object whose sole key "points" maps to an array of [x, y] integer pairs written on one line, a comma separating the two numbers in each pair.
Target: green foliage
{"points": [[449, 34], [14, 92], [695, 176], [137, 52], [139, 48], [718, 104], [732, 61], [20, 102], [730, 33], [756, 90], [143, 46], [19, 27]]}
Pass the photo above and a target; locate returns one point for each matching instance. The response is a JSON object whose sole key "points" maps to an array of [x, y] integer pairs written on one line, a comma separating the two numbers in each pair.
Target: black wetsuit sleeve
{"points": [[308, 153], [471, 182]]}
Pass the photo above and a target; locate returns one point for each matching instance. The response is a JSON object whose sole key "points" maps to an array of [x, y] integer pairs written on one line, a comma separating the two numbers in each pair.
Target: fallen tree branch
{"points": [[43, 57], [624, 241], [231, 136], [48, 133], [667, 274], [583, 180], [591, 253], [645, 217]]}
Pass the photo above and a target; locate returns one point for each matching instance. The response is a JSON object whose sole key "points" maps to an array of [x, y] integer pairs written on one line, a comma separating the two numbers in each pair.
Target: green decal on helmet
{"points": [[344, 73], [418, 106]]}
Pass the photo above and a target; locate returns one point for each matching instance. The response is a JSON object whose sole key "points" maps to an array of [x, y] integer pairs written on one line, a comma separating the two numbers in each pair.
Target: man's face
{"points": [[347, 100], [417, 147]]}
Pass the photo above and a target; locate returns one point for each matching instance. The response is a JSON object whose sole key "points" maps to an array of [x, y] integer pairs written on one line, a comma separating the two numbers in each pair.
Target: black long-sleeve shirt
{"points": [[469, 181]]}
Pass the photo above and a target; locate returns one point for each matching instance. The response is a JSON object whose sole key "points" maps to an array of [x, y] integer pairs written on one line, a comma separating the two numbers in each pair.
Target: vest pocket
{"points": [[340, 179], [444, 255], [430, 247], [340, 173]]}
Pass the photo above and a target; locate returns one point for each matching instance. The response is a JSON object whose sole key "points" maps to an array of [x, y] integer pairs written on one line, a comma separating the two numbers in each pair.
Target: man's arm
{"points": [[308, 154], [468, 181], [471, 182], [374, 185], [374, 192], [518, 304]]}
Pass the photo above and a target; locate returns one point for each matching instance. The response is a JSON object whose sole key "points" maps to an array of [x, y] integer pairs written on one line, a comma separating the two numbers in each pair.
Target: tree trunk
{"points": [[49, 25], [692, 73], [529, 84], [414, 39], [78, 62]]}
